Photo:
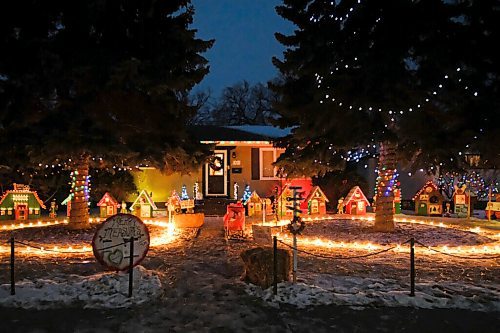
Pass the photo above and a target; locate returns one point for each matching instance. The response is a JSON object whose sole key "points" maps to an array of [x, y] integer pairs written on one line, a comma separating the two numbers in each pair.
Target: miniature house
{"points": [[143, 206], [461, 201], [254, 204], [108, 206], [20, 204], [67, 202], [284, 202], [316, 202], [355, 202], [429, 201]]}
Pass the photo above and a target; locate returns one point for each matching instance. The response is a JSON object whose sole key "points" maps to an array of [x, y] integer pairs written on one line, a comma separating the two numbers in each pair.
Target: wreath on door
{"points": [[216, 163]]}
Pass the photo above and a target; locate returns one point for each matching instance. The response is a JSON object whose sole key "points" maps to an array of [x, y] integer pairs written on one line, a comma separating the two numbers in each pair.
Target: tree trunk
{"points": [[79, 214], [384, 213]]}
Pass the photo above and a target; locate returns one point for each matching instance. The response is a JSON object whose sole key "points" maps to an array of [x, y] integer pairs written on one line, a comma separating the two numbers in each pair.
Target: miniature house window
{"points": [[267, 158], [2, 212], [37, 211], [434, 199], [9, 212]]}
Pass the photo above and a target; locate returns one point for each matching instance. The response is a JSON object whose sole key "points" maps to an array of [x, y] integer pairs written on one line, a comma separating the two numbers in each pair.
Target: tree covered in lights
{"points": [[98, 83], [246, 194], [415, 82]]}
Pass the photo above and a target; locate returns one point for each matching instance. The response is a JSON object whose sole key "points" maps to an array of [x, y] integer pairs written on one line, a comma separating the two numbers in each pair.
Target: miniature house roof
{"points": [[355, 194], [254, 197], [145, 195], [107, 200], [22, 189], [316, 192], [429, 183], [68, 199]]}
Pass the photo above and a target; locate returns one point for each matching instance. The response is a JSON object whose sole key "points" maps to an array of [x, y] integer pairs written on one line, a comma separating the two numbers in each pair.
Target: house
{"points": [[284, 201], [67, 202], [20, 204], [108, 206], [316, 202], [429, 201], [355, 202], [241, 154], [254, 204], [143, 206]]}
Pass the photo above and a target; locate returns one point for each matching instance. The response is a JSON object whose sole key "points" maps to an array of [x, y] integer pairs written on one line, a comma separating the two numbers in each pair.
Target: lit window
{"points": [[267, 157]]}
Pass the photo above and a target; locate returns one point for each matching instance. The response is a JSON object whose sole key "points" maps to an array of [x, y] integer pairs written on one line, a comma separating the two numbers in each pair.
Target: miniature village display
{"points": [[108, 205], [429, 201], [20, 203], [355, 202]]}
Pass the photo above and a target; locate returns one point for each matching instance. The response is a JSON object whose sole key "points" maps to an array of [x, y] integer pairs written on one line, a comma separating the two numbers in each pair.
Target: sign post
{"points": [[296, 225]]}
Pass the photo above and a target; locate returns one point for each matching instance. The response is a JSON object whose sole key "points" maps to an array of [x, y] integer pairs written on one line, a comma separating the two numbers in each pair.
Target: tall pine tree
{"points": [[414, 81], [103, 82]]}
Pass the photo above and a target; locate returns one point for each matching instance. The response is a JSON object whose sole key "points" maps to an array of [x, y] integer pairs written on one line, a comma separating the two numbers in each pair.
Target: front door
{"points": [[216, 175], [422, 209], [21, 212]]}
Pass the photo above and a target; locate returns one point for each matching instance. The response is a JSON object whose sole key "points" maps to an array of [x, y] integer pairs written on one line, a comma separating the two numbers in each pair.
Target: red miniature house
{"points": [[234, 220], [429, 201], [316, 202], [108, 205], [355, 202]]}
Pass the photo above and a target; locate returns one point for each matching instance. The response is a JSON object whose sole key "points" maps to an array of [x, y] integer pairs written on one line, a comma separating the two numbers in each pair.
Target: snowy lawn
{"points": [[104, 290], [369, 292]]}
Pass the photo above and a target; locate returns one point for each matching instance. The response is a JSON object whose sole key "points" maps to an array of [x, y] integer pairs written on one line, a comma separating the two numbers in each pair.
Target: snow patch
{"points": [[104, 290], [360, 292]]}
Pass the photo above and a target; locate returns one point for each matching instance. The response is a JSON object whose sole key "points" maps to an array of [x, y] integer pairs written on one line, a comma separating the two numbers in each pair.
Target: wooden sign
{"points": [[111, 242]]}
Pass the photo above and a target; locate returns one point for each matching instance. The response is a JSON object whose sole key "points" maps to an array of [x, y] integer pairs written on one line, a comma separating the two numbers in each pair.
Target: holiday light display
{"points": [[246, 194], [235, 191], [184, 193]]}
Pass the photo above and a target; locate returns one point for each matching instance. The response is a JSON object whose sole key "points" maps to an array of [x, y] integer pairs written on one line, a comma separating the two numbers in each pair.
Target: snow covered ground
{"points": [[362, 292], [104, 290]]}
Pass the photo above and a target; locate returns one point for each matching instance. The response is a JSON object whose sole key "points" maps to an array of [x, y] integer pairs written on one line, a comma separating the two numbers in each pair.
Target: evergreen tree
{"points": [[246, 194], [397, 78], [184, 193], [98, 82]]}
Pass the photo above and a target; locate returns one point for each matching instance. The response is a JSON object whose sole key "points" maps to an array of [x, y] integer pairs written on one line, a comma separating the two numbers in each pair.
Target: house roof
{"points": [[350, 196], [313, 191], [110, 198], [427, 184], [6, 194], [237, 133], [148, 198]]}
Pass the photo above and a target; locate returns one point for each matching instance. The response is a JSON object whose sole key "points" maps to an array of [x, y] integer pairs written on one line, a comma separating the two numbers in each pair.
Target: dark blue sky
{"points": [[244, 33]]}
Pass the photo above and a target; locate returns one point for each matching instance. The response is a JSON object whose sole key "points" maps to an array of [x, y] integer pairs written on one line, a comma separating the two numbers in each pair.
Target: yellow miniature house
{"points": [[254, 204]]}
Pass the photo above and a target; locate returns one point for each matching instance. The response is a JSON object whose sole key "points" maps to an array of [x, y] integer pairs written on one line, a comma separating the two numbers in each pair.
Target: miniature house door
{"points": [[216, 175], [21, 212], [110, 210]]}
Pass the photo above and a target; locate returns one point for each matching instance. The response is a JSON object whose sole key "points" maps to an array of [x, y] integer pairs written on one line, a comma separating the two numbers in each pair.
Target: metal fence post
{"points": [[131, 268], [12, 260], [412, 267], [275, 265]]}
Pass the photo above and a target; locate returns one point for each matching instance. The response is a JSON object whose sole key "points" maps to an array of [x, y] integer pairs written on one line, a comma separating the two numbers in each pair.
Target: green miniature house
{"points": [[20, 204]]}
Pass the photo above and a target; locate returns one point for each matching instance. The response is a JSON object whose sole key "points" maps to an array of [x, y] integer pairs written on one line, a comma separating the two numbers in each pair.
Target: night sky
{"points": [[244, 33]]}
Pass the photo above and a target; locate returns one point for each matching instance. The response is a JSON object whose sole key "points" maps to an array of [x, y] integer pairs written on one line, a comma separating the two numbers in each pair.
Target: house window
{"points": [[267, 157]]}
